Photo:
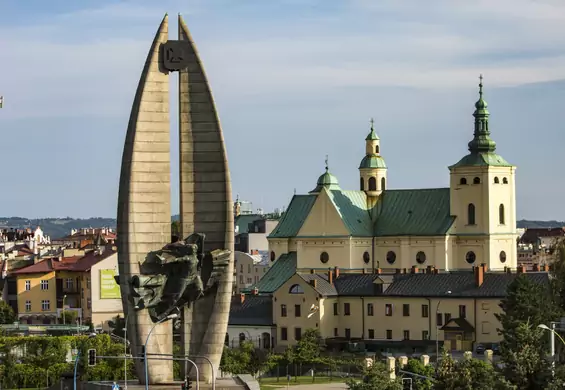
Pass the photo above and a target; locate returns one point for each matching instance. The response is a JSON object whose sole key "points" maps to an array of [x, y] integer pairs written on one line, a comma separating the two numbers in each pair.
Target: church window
{"points": [[463, 181], [421, 257], [501, 214], [272, 255], [372, 184], [391, 257], [476, 180], [377, 149], [496, 180], [470, 257], [296, 289], [362, 184], [383, 184], [504, 181], [471, 214], [502, 256], [366, 257], [324, 257]]}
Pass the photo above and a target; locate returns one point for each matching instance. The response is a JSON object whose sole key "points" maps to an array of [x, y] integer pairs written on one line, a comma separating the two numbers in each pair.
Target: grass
{"points": [[271, 383]]}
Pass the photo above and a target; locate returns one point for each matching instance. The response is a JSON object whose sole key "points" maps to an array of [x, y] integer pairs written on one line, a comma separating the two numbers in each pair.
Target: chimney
{"points": [[313, 283], [336, 272], [379, 271], [398, 271], [545, 268], [312, 271], [484, 267], [479, 275], [508, 270], [414, 270], [436, 271], [536, 268], [429, 269], [364, 271], [241, 298], [521, 269], [404, 271], [255, 291], [330, 276]]}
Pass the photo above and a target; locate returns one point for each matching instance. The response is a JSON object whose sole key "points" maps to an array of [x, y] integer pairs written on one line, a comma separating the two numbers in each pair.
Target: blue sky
{"points": [[294, 80]]}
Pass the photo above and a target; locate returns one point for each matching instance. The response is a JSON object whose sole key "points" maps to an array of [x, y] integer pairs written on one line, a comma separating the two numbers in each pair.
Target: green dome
{"points": [[328, 181], [372, 161]]}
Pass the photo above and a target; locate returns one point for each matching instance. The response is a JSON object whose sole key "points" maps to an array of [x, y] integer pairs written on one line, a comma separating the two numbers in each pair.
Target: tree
{"points": [[376, 376], [469, 374], [417, 367], [7, 315], [524, 347], [309, 348], [68, 317]]}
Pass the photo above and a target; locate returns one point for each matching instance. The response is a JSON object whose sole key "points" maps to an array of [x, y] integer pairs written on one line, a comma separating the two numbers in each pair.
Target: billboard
{"points": [[109, 289]]}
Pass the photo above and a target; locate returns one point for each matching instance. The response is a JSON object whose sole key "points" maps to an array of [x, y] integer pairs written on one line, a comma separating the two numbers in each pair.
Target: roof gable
{"points": [[324, 219], [294, 217], [254, 310], [352, 207], [417, 212]]}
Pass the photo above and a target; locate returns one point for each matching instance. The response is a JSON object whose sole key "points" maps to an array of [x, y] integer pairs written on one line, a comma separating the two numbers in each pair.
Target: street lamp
{"points": [[64, 320], [448, 292], [169, 317], [552, 334]]}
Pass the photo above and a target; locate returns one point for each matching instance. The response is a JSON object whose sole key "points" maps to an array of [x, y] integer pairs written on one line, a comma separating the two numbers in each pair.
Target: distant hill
{"points": [[60, 227]]}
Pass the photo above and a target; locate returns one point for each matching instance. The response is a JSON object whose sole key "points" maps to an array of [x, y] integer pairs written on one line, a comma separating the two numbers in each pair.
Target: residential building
{"points": [[381, 266], [251, 319], [249, 269], [84, 284]]}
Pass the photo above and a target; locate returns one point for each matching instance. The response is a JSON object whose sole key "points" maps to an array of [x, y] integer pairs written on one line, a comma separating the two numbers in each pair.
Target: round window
{"points": [[391, 257], [324, 257], [272, 256], [421, 257], [470, 257], [366, 257], [502, 257]]}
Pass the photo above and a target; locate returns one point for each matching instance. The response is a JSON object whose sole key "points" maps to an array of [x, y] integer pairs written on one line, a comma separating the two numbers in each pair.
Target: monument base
{"points": [[221, 384]]}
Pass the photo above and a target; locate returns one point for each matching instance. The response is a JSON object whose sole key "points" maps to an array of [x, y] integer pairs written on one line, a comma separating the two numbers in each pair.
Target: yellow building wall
{"points": [[291, 322], [358, 246], [36, 294], [310, 250], [323, 220], [278, 246]]}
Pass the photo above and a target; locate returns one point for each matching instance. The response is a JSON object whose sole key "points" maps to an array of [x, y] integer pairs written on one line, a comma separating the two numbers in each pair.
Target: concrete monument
{"points": [[156, 277]]}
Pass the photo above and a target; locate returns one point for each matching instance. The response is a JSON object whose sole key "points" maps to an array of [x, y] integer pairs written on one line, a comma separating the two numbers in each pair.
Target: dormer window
{"points": [[463, 181], [476, 180]]}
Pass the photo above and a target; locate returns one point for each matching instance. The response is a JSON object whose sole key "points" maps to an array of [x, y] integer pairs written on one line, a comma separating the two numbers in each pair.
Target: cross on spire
{"points": [[327, 168], [372, 123], [481, 85]]}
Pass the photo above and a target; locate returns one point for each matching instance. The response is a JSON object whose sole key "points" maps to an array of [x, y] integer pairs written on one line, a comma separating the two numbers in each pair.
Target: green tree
{"points": [[68, 317], [469, 374], [524, 346], [309, 348], [417, 367], [375, 377], [7, 315]]}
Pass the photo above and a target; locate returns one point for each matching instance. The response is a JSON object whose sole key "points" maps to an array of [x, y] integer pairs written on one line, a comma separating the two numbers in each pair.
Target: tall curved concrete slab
{"points": [[205, 203], [144, 201]]}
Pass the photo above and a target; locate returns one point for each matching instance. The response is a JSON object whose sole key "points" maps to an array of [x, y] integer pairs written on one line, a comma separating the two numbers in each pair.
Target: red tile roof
{"points": [[72, 263]]}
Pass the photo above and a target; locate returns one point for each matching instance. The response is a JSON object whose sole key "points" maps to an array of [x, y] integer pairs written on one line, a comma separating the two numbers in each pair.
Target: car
{"points": [[495, 349], [480, 349]]}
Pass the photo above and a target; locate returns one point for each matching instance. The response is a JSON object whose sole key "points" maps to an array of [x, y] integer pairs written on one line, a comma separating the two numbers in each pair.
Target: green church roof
{"points": [[281, 270], [326, 180], [352, 208], [294, 216], [372, 161]]}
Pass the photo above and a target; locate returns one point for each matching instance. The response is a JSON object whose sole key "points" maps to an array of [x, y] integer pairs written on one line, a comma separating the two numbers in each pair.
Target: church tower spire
{"points": [[481, 142], [372, 169]]}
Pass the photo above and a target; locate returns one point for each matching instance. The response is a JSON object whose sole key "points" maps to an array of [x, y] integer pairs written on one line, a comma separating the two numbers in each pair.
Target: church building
{"points": [[473, 221]]}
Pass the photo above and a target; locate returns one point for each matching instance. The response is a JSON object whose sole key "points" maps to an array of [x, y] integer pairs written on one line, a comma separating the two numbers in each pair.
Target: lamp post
{"points": [[64, 320], [552, 334], [126, 353], [169, 317], [448, 292]]}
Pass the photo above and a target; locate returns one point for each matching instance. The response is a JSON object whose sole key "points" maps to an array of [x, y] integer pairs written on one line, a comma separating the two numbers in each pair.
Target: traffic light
{"points": [[91, 357], [187, 384]]}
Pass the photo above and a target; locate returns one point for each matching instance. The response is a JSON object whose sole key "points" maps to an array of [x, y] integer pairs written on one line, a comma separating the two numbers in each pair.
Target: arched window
{"points": [[377, 149], [476, 180], [383, 184], [272, 255], [362, 184], [504, 181], [366, 257], [501, 214], [241, 337], [295, 289], [463, 181], [471, 214], [372, 184], [496, 181]]}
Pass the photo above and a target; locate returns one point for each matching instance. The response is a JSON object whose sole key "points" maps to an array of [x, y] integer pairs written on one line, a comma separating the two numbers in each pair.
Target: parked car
{"points": [[480, 349]]}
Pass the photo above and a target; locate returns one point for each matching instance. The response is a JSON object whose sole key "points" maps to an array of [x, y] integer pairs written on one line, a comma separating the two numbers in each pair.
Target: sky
{"points": [[294, 81]]}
